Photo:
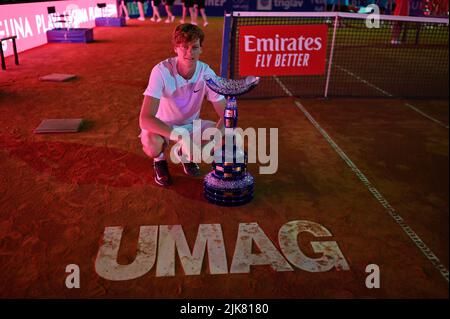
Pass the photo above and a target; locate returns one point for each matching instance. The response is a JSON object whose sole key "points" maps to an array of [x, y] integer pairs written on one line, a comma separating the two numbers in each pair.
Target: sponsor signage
{"points": [[283, 50], [290, 5], [30, 21], [217, 7]]}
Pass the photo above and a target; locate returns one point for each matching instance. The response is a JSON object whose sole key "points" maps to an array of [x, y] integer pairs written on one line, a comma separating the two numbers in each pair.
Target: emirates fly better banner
{"points": [[283, 49]]}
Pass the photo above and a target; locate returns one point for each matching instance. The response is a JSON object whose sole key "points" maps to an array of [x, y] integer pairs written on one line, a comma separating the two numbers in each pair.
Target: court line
{"points": [[364, 81], [390, 95], [426, 115], [431, 256]]}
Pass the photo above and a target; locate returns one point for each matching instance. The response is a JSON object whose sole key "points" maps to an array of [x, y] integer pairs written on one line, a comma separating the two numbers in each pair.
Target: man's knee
{"points": [[152, 152], [152, 144]]}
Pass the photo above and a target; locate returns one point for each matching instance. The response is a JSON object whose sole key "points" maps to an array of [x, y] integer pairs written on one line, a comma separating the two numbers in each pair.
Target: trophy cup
{"points": [[229, 183]]}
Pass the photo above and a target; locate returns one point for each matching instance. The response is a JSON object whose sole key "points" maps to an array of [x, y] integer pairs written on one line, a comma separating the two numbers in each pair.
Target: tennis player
{"points": [[173, 100]]}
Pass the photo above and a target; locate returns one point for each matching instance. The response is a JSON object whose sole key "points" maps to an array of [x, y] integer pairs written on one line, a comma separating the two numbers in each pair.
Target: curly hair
{"points": [[186, 33]]}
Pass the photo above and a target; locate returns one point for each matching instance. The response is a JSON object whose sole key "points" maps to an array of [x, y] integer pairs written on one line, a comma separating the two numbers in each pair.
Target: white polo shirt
{"points": [[180, 99]]}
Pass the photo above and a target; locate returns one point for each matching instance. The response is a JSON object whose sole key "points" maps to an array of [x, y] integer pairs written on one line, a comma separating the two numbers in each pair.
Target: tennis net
{"points": [[395, 57]]}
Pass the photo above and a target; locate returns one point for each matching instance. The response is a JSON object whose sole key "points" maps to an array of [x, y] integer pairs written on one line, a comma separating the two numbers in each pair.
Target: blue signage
{"points": [[288, 5], [218, 7]]}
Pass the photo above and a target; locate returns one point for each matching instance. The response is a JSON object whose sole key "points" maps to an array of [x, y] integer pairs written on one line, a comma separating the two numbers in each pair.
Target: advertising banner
{"points": [[218, 7], [283, 50], [30, 21], [288, 5]]}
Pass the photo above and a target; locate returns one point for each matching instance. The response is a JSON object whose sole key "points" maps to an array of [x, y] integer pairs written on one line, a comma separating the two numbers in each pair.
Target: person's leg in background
{"points": [[140, 5], [396, 31], [183, 14], [195, 11], [401, 9], [201, 7], [331, 5], [123, 8], [156, 16], [189, 4], [168, 6]]}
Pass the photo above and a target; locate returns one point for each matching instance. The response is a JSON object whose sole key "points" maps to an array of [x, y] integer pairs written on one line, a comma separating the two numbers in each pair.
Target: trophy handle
{"points": [[229, 87]]}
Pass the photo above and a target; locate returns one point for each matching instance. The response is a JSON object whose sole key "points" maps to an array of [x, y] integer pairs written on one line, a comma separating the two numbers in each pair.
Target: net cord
{"points": [[253, 14]]}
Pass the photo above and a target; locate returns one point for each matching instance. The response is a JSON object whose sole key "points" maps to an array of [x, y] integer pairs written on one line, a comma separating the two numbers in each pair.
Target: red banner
{"points": [[283, 49]]}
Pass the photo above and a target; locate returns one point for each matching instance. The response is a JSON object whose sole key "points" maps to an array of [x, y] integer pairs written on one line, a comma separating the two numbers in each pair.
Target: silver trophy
{"points": [[229, 183]]}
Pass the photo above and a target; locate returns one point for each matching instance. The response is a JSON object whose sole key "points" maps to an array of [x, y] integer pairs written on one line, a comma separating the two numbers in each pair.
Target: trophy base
{"points": [[228, 192]]}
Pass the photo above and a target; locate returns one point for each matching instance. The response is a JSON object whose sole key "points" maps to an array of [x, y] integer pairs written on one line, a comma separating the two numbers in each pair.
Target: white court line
{"points": [[364, 81], [390, 95], [426, 115], [380, 198]]}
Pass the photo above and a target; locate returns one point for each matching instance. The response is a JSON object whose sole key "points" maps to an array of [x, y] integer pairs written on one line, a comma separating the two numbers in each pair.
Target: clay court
{"points": [[58, 192]]}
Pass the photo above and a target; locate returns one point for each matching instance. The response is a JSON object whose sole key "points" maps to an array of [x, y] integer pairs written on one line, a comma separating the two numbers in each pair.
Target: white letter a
{"points": [[373, 280], [73, 280], [373, 19]]}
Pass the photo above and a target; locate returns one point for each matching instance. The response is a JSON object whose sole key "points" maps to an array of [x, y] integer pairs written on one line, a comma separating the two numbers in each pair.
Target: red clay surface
{"points": [[58, 192]]}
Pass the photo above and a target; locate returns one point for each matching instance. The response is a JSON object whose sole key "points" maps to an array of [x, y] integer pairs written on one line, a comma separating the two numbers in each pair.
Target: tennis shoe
{"points": [[162, 175]]}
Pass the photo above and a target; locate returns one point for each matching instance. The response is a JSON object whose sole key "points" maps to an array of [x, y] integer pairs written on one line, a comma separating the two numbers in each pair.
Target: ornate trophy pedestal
{"points": [[229, 184]]}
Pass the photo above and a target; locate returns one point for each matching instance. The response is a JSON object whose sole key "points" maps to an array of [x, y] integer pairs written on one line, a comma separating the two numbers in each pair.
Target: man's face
{"points": [[189, 53]]}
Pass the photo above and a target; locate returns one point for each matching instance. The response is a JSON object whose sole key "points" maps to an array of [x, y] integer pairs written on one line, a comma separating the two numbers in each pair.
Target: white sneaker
{"points": [[181, 21], [194, 23], [141, 19], [153, 19], [172, 18], [158, 20], [205, 24], [167, 20]]}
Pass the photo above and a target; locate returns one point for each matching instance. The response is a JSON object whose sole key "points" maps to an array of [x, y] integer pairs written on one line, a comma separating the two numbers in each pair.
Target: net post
{"points": [[225, 45], [330, 61]]}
